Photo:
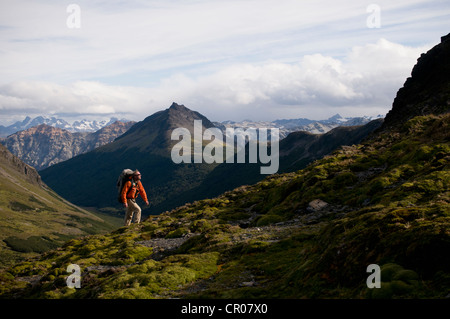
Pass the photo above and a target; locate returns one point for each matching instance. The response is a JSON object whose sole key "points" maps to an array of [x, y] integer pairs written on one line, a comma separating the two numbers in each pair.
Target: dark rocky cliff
{"points": [[427, 91]]}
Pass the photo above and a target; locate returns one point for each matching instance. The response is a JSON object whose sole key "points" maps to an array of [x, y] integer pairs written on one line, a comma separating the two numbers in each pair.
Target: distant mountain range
{"points": [[44, 145], [44, 141], [287, 126], [77, 126], [147, 146]]}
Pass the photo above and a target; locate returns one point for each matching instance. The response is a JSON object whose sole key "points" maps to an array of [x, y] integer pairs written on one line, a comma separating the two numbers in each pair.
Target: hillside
{"points": [[308, 234], [305, 234], [296, 151], [33, 218]]}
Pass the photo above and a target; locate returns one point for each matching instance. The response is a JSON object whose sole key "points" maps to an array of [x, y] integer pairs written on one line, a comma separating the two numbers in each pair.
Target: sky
{"points": [[229, 60]]}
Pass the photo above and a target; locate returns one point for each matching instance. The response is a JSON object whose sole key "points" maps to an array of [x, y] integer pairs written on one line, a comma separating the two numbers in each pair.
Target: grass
{"points": [[388, 204], [33, 219]]}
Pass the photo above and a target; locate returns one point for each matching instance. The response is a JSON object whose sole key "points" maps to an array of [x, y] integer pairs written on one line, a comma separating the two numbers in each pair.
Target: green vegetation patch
{"points": [[31, 244], [396, 282], [153, 279]]}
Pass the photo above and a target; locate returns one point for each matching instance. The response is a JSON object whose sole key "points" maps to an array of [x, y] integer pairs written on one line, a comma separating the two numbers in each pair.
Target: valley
{"points": [[33, 218], [148, 146], [307, 232]]}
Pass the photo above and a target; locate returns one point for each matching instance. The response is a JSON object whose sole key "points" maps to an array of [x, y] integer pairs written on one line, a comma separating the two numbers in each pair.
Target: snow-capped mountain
{"points": [[77, 126], [92, 126], [287, 126]]}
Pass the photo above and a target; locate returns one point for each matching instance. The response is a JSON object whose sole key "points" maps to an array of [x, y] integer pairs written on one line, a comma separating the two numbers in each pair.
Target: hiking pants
{"points": [[133, 209]]}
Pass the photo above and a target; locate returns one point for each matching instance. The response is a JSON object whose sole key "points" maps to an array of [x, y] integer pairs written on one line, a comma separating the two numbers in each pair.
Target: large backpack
{"points": [[123, 178]]}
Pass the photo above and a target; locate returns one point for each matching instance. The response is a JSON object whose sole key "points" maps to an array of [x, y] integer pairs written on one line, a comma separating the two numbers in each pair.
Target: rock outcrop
{"points": [[427, 91]]}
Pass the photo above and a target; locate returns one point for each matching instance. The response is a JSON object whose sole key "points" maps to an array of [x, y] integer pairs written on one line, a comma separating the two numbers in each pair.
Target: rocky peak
{"points": [[427, 91], [44, 129], [109, 133], [44, 145], [154, 132], [177, 107], [181, 116]]}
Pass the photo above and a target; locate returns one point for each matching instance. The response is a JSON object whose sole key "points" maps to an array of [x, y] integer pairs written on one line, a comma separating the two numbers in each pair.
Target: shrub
{"points": [[396, 282]]}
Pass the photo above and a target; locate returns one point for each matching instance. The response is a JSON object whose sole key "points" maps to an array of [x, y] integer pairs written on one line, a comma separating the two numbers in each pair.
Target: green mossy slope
{"points": [[385, 202], [33, 218]]}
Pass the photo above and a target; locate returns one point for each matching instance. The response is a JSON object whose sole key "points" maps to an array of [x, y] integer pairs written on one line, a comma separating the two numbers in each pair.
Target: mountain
{"points": [[42, 141], [147, 146], [301, 148], [33, 218], [368, 221], [94, 126], [287, 126], [29, 122], [77, 126], [44, 145], [154, 133], [296, 151]]}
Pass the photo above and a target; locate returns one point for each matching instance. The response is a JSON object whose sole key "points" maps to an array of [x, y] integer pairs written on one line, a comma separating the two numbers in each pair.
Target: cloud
{"points": [[364, 81], [368, 77], [120, 41], [75, 100], [229, 59]]}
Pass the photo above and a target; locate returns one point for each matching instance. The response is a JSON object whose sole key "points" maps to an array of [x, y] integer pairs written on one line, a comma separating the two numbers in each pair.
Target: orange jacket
{"points": [[130, 192]]}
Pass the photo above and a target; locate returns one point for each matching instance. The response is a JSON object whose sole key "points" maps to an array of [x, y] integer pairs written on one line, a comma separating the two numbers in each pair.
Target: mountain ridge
{"points": [[296, 151], [287, 126], [44, 145], [147, 146], [76, 126], [21, 167]]}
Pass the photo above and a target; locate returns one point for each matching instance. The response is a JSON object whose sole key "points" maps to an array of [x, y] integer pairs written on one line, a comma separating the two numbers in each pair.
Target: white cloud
{"points": [[363, 82], [118, 38], [75, 100], [368, 77], [227, 59]]}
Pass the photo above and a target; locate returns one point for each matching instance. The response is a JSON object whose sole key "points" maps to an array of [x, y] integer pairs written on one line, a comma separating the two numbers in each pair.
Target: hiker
{"points": [[130, 191]]}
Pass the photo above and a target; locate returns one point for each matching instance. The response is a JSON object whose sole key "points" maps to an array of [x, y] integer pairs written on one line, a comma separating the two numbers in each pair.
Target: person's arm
{"points": [[124, 193], [143, 193]]}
